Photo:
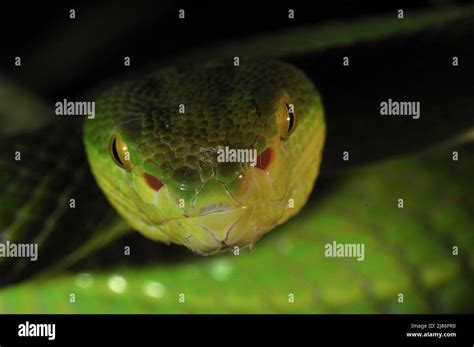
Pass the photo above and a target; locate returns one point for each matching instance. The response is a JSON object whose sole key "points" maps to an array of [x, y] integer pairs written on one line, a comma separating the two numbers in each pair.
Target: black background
{"points": [[150, 30], [310, 330]]}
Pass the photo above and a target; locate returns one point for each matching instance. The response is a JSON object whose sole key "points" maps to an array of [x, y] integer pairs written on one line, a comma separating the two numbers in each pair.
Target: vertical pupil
{"points": [[291, 118], [115, 152]]}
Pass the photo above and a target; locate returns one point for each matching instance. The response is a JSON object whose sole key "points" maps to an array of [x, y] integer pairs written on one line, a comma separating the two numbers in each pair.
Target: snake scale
{"points": [[172, 189]]}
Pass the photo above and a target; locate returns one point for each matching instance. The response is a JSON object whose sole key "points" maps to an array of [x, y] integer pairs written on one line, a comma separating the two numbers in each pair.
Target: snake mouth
{"points": [[215, 208]]}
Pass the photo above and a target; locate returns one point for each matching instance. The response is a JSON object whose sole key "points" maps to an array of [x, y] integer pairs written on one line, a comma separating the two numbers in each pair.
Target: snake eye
{"points": [[287, 120], [119, 153]]}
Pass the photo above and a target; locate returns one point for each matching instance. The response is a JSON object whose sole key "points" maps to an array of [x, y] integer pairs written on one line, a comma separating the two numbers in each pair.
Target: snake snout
{"points": [[212, 198]]}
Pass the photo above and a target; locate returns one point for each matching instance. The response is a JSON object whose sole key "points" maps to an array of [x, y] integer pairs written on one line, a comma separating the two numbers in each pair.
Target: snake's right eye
{"points": [[286, 118], [119, 153], [289, 122]]}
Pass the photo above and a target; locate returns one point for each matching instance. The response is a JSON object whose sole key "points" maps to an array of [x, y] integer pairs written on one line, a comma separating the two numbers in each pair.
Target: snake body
{"points": [[152, 151]]}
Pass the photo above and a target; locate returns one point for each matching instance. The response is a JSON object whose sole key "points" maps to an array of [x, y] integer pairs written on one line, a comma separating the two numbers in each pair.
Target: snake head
{"points": [[210, 156]]}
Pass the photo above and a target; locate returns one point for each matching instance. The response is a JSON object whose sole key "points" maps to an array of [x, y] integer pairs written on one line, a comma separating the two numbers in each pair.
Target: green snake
{"points": [[152, 148]]}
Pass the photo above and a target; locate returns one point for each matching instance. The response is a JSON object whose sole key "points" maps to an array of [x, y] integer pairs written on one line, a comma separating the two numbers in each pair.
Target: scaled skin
{"points": [[206, 205]]}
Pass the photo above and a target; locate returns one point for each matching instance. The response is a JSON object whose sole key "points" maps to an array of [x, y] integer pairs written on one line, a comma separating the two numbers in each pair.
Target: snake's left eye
{"points": [[119, 153], [287, 120]]}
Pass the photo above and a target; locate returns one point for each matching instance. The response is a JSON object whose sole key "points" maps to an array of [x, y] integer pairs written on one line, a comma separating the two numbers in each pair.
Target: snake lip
{"points": [[216, 211], [214, 208]]}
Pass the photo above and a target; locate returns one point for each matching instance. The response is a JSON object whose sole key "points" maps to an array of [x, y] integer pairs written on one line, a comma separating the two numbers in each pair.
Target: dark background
{"points": [[61, 57]]}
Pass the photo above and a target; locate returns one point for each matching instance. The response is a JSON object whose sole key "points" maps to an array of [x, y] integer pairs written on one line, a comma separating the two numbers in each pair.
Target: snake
{"points": [[169, 183], [152, 152]]}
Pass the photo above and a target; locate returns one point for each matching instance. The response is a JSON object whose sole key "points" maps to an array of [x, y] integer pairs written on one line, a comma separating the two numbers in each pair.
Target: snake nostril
{"points": [[265, 158], [153, 182]]}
